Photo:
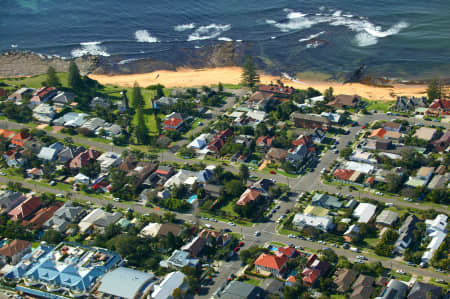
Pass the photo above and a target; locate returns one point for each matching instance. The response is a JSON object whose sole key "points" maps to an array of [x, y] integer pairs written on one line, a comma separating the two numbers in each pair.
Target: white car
{"points": [[400, 272], [59, 195], [2, 173], [389, 204], [116, 199]]}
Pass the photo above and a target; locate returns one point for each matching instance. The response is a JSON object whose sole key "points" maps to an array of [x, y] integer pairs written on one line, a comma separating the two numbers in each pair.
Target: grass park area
{"points": [[379, 105]]}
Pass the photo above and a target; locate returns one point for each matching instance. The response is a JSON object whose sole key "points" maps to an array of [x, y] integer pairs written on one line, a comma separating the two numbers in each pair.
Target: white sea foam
{"points": [[125, 61], [184, 27], [287, 76], [311, 36], [366, 33], [273, 37], [143, 36], [208, 32], [239, 40], [225, 39], [90, 48], [14, 46]]}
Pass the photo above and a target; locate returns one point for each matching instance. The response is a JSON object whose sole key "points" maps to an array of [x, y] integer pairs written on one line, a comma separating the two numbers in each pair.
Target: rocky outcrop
{"points": [[20, 64]]}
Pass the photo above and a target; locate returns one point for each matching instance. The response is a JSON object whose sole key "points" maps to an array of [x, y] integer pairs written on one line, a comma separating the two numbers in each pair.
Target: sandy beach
{"points": [[232, 75]]}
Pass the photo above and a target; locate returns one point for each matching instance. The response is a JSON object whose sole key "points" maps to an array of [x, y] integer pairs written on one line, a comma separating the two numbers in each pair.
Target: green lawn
{"points": [[252, 281], [150, 120], [229, 209], [379, 105], [277, 243], [337, 296], [34, 81]]}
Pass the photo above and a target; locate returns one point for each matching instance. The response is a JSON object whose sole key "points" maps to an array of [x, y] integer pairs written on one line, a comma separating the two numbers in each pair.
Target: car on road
{"points": [[358, 261], [253, 177], [231, 223], [208, 226], [411, 264], [389, 204], [116, 199], [400, 272], [272, 172], [241, 244], [379, 193], [213, 220], [2, 173], [200, 123], [291, 236], [361, 257], [236, 249], [52, 183], [227, 230], [59, 195], [298, 247], [257, 233], [436, 120], [204, 218]]}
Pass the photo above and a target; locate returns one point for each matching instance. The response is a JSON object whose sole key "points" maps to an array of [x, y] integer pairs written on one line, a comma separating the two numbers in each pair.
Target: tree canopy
{"points": [[250, 76]]}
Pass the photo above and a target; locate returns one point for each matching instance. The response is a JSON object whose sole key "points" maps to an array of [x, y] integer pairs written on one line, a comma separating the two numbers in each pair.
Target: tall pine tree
{"points": [[74, 79], [52, 78], [250, 76], [137, 100], [434, 90], [141, 130]]}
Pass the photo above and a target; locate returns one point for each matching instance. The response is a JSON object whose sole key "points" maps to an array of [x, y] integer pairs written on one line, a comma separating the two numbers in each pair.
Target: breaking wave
{"points": [[311, 36], [184, 27], [367, 33], [225, 39], [143, 36], [208, 32], [90, 48]]}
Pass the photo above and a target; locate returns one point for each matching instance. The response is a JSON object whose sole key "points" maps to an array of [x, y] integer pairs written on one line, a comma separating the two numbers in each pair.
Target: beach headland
{"points": [[185, 77]]}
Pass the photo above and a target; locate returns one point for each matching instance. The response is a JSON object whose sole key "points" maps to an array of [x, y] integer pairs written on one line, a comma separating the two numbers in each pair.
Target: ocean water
{"points": [[406, 39]]}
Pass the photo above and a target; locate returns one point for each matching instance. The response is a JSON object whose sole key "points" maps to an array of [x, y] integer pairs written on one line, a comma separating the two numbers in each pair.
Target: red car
{"points": [[363, 127], [272, 172], [241, 244], [236, 249]]}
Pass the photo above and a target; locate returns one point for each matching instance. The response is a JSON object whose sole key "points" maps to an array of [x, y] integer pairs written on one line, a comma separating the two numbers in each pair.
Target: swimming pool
{"points": [[272, 248], [192, 199]]}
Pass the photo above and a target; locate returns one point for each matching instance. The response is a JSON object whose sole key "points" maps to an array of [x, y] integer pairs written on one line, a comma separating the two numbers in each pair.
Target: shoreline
{"points": [[187, 77]]}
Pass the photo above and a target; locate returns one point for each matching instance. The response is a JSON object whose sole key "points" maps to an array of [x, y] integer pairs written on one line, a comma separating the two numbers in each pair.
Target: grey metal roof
{"points": [[125, 282]]}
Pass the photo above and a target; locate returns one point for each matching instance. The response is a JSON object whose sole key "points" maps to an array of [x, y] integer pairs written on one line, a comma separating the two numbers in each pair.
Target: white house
{"points": [[44, 113], [364, 212], [81, 179], [259, 116], [108, 160], [199, 142], [323, 223], [437, 231], [171, 282]]}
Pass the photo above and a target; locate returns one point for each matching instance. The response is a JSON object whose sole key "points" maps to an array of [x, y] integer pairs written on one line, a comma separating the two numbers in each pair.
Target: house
{"points": [[239, 290], [395, 289], [64, 216], [180, 259], [84, 158], [378, 144], [34, 173], [288, 251], [360, 167], [347, 175], [315, 263], [386, 218], [324, 223], [414, 182], [21, 94], [98, 101], [219, 140], [214, 238], [343, 101], [6, 134], [427, 134], [25, 208], [264, 143], [12, 252], [50, 153], [363, 157], [71, 120], [141, 171], [172, 281], [98, 219], [199, 142], [264, 186], [271, 264], [63, 98], [315, 211], [111, 130], [214, 191], [32, 146], [351, 232], [335, 118], [174, 122], [42, 95], [64, 267], [364, 212], [438, 182], [310, 277], [164, 101], [393, 126], [425, 173], [181, 178], [437, 231], [82, 179], [326, 201], [195, 246], [405, 234], [421, 290], [277, 90], [169, 228], [44, 113], [126, 283], [41, 216], [439, 107], [20, 138], [272, 286], [108, 160], [296, 156], [310, 121], [68, 153], [363, 287], [258, 116], [9, 200], [14, 158], [259, 100], [443, 143], [276, 154], [166, 171], [344, 279], [249, 195], [404, 103], [93, 124]]}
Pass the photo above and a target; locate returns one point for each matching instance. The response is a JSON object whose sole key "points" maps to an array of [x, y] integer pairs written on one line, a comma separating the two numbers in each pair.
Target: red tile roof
{"points": [[25, 209], [172, 123], [265, 139], [288, 251], [291, 279], [440, 104], [343, 174], [271, 261], [310, 276], [6, 133], [20, 138], [378, 133], [84, 158], [42, 216], [14, 247], [248, 196], [370, 180], [277, 89]]}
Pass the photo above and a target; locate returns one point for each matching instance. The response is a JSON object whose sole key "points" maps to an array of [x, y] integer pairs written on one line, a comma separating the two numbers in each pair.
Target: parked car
{"points": [[257, 234], [52, 183], [272, 172], [400, 272], [59, 195]]}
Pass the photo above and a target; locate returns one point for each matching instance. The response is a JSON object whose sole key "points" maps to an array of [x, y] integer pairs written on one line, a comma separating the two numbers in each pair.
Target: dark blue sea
{"points": [[402, 38]]}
